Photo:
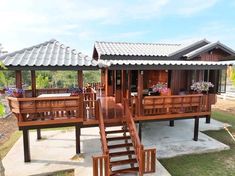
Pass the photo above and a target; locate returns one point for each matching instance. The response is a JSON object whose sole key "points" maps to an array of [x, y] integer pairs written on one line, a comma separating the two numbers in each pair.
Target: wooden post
{"points": [[18, 80], [140, 91], [172, 123], [196, 129], [106, 84], [80, 78], [33, 83], [129, 85], [140, 130], [208, 117], [34, 94], [39, 136], [26, 145], [78, 134]]}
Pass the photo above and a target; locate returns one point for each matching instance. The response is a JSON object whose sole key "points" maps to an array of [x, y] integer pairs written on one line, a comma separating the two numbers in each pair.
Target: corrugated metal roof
{"points": [[49, 53], [142, 49], [109, 63], [209, 47], [135, 49]]}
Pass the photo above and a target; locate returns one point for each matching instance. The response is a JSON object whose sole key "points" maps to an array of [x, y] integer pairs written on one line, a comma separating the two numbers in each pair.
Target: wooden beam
{"points": [[140, 91], [18, 80], [80, 78], [26, 145], [33, 83]]}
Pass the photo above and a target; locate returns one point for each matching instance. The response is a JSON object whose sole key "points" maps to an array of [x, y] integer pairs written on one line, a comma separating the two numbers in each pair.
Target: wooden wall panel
{"points": [[178, 80], [214, 55], [152, 77]]}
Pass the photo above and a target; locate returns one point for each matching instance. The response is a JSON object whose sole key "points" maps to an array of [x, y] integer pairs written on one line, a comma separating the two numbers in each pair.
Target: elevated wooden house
{"points": [[128, 72]]}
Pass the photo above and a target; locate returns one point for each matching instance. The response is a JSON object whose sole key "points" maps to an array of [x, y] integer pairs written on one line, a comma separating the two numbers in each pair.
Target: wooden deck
{"points": [[112, 112]]}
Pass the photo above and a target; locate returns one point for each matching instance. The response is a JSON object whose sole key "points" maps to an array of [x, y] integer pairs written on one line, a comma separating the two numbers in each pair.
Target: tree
{"points": [[42, 81], [233, 76]]}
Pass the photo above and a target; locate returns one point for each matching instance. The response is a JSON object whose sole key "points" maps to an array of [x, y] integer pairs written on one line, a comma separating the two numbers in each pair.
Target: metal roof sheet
{"points": [[135, 49], [142, 49], [49, 53]]}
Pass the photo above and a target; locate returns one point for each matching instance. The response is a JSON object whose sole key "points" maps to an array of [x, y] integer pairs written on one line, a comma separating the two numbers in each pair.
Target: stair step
{"points": [[118, 138], [120, 145], [127, 170], [115, 131], [122, 162], [123, 153]]}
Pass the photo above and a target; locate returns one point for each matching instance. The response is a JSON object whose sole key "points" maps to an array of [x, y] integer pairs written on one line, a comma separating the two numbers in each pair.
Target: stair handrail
{"points": [[138, 147], [102, 129]]}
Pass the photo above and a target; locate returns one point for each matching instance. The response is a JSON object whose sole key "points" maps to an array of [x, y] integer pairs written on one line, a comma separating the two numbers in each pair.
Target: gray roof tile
{"points": [[50, 53], [142, 49]]}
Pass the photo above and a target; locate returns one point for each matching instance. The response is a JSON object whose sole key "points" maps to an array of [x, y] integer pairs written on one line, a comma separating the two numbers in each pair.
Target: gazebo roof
{"points": [[48, 55]]}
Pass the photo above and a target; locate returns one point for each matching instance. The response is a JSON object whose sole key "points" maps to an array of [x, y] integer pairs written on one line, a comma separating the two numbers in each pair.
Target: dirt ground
{"points": [[7, 127], [225, 105]]}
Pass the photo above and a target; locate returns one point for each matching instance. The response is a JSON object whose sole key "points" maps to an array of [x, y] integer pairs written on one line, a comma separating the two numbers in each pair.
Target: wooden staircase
{"points": [[123, 152], [122, 156]]}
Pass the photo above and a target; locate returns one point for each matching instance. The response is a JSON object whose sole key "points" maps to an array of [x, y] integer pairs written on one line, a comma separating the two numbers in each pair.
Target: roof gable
{"points": [[209, 47]]}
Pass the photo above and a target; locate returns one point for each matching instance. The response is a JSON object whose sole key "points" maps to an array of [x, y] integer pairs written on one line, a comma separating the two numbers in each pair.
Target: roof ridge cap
{"points": [[143, 43]]}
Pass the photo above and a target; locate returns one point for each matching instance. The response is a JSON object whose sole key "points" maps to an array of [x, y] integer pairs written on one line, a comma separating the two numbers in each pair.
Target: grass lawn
{"points": [[218, 163], [5, 147]]}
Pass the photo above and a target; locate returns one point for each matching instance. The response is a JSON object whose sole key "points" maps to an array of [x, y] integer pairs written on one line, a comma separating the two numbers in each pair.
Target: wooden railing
{"points": [[101, 163], [146, 158], [90, 105], [53, 110], [28, 93], [176, 104]]}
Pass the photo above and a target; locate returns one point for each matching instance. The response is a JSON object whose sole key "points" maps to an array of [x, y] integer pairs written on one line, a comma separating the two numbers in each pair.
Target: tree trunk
{"points": [[2, 170]]}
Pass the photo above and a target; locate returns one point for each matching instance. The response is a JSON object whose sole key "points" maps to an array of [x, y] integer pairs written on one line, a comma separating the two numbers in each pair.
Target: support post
{"points": [[26, 145], [196, 129], [140, 130], [172, 123], [80, 78], [18, 79], [33, 83], [208, 119], [140, 91], [39, 136], [78, 134]]}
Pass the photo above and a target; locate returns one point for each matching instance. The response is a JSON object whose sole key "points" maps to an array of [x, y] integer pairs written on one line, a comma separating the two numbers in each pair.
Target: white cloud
{"points": [[27, 22]]}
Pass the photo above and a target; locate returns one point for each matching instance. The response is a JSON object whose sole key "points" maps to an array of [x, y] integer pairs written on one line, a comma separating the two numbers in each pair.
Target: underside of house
{"points": [[123, 98]]}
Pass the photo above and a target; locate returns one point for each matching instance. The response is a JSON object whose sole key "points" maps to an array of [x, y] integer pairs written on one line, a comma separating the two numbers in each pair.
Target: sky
{"points": [[79, 23]]}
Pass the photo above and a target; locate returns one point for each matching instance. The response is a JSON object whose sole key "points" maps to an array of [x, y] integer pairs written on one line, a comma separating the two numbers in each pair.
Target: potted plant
{"points": [[159, 89], [201, 86], [15, 92]]}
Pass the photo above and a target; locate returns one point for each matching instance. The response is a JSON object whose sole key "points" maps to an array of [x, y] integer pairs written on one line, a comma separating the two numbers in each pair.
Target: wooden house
{"points": [[128, 73]]}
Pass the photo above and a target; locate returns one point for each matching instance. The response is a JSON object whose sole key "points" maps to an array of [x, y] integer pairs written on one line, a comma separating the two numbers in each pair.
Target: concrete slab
{"points": [[56, 150], [178, 140]]}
